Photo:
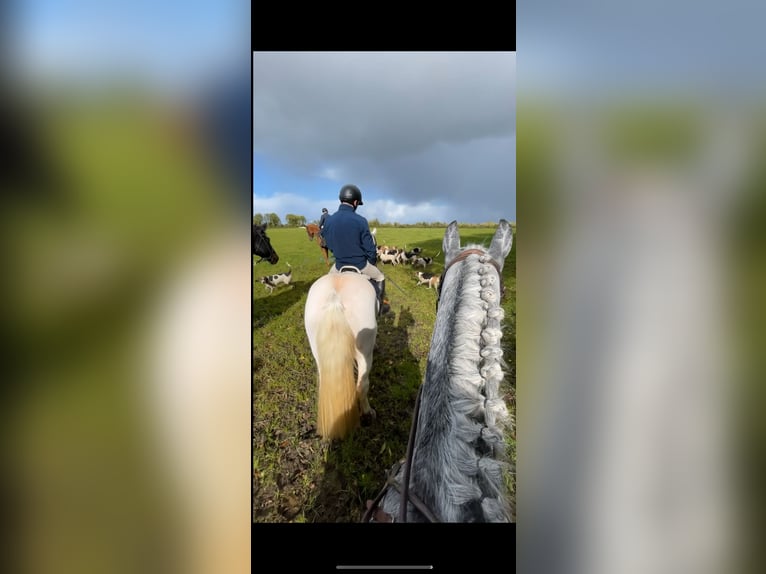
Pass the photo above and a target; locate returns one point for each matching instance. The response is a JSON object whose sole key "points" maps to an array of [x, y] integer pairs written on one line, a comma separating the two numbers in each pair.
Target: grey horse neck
{"points": [[457, 468]]}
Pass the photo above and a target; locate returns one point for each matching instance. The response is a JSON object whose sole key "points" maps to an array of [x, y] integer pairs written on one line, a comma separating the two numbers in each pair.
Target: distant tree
{"points": [[374, 223], [295, 220], [273, 219], [258, 219]]}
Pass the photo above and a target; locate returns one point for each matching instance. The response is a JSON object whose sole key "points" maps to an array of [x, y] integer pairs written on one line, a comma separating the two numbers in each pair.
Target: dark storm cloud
{"points": [[474, 174], [415, 125]]}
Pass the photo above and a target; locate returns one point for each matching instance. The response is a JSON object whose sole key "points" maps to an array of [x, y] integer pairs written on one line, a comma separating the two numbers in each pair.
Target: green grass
{"points": [[296, 476]]}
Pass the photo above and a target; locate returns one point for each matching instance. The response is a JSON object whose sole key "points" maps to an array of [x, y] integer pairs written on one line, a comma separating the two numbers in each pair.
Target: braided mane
{"points": [[459, 454]]}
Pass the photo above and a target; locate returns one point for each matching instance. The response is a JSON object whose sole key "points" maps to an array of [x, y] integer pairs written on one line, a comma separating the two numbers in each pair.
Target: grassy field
{"points": [[296, 476]]}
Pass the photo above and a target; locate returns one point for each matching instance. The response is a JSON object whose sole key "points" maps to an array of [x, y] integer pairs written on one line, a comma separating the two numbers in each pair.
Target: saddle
{"points": [[350, 269], [380, 290]]}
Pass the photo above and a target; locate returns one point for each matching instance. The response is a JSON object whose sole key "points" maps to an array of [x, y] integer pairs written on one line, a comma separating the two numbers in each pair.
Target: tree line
{"points": [[292, 220]]}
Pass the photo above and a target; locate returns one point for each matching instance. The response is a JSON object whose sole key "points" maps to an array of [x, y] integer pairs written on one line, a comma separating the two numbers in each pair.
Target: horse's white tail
{"points": [[337, 409]]}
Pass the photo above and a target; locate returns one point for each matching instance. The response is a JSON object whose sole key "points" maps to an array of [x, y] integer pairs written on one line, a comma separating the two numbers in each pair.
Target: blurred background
{"points": [[126, 286], [640, 176], [126, 262]]}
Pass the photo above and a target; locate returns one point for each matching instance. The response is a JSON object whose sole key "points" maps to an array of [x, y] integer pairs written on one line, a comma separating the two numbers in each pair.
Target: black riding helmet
{"points": [[350, 193]]}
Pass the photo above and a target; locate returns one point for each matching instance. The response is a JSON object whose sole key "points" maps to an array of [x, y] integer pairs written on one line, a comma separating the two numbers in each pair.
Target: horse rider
{"points": [[348, 236], [325, 215]]}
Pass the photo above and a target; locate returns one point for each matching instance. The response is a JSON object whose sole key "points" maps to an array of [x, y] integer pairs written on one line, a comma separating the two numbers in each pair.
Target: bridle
{"points": [[463, 256], [405, 496]]}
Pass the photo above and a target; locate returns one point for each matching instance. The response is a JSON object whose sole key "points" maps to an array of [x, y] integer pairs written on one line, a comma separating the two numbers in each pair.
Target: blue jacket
{"points": [[348, 236], [323, 219]]}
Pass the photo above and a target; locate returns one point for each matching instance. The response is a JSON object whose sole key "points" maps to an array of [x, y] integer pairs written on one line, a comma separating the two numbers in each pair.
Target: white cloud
{"points": [[331, 173], [385, 211], [388, 211]]}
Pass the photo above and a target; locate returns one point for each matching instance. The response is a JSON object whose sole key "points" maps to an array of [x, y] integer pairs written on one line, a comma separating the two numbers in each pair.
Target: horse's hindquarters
{"points": [[341, 327]]}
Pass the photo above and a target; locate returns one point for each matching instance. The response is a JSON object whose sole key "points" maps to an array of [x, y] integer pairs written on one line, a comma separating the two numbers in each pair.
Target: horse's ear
{"points": [[501, 242], [451, 243]]}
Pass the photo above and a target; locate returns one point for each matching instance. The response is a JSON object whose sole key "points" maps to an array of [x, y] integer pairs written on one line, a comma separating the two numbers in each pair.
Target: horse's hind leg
{"points": [[364, 366]]}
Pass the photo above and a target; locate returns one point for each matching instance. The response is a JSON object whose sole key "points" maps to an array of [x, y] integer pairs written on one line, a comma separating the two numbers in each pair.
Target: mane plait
{"points": [[460, 449], [485, 405], [492, 365]]}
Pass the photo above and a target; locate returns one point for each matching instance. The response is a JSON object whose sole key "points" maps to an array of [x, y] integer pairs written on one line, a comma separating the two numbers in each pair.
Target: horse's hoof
{"points": [[368, 418]]}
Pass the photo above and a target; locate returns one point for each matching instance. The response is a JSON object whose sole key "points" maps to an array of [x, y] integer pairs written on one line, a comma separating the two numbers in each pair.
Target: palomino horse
{"points": [[262, 245], [453, 469], [341, 324], [312, 229]]}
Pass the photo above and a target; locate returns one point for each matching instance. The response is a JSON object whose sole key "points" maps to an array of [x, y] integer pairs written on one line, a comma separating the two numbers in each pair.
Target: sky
{"points": [[644, 49], [426, 136], [169, 46]]}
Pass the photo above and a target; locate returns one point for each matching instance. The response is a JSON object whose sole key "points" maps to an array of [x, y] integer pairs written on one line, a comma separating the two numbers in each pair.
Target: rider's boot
{"points": [[383, 304]]}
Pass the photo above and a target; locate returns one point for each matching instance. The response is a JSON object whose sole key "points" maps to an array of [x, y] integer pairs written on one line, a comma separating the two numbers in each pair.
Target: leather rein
{"points": [[403, 490]]}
